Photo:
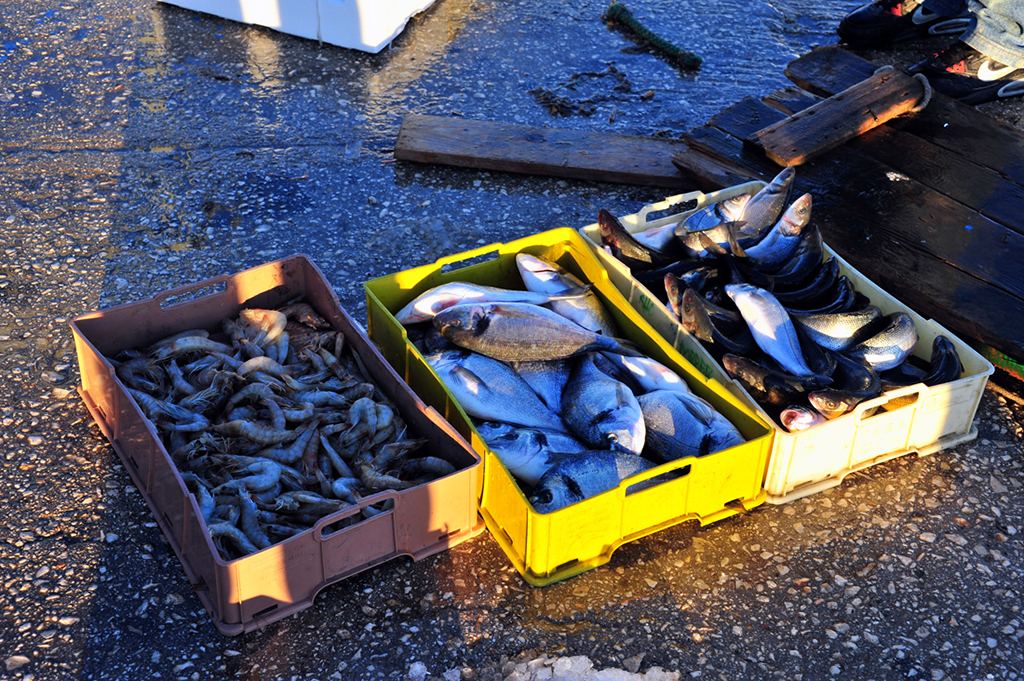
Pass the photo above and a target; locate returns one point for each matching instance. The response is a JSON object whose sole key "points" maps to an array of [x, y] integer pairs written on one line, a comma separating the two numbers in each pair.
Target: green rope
{"points": [[617, 12]]}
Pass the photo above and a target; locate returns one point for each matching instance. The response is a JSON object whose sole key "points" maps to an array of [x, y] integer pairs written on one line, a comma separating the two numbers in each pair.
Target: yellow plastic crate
{"points": [[914, 420], [546, 548]]}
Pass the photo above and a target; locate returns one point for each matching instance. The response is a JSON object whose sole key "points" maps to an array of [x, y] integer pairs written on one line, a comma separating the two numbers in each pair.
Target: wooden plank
{"points": [[596, 156], [904, 237], [834, 121], [946, 123], [977, 187]]}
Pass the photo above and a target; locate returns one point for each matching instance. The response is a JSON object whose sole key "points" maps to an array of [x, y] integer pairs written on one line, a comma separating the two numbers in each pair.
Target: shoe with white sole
{"points": [[964, 73], [884, 22]]}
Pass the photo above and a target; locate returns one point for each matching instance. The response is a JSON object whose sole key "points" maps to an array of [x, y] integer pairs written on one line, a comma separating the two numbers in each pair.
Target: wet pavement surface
{"points": [[146, 147]]}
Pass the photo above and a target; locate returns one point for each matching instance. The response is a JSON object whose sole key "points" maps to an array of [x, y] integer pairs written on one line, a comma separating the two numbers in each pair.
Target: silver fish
{"points": [[528, 453], [547, 378], [889, 347], [649, 374], [543, 276], [766, 206], [584, 475], [490, 390], [771, 326], [519, 332], [714, 214], [601, 411], [838, 330], [681, 425], [797, 418], [780, 243], [426, 305]]}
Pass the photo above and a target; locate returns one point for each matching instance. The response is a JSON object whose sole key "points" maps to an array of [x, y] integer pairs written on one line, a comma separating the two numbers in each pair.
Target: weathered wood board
{"points": [[825, 125], [601, 157]]}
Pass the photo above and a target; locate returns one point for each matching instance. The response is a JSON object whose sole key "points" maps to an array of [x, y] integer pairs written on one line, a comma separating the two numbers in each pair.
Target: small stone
{"points": [[937, 674], [928, 537], [417, 671], [110, 537], [67, 620], [992, 643], [35, 440], [15, 661]]}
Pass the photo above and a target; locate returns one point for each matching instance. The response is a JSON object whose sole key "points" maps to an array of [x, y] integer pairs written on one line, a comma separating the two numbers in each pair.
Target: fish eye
{"points": [[544, 497]]}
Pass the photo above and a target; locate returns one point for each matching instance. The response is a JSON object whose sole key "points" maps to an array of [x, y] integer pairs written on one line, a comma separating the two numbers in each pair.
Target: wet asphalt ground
{"points": [[146, 147]]}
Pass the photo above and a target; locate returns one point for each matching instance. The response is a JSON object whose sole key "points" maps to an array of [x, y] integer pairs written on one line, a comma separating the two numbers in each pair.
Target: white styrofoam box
{"points": [[367, 25], [917, 419]]}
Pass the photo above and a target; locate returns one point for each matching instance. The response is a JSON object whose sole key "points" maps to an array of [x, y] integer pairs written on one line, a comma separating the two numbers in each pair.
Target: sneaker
{"points": [[883, 22], [964, 73]]}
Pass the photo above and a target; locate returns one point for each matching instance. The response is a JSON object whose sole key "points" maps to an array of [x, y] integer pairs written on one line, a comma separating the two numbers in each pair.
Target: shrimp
{"points": [[237, 537], [249, 521], [263, 364], [189, 344], [204, 499], [339, 465], [178, 382], [257, 432], [378, 481], [321, 398], [428, 465], [305, 314], [268, 324], [346, 488], [263, 474], [254, 391]]}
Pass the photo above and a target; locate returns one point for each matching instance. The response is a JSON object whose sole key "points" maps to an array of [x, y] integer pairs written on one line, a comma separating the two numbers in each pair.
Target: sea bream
{"points": [[683, 425], [528, 453], [426, 305], [546, 277], [585, 475], [601, 411], [890, 346], [766, 206], [520, 332], [490, 390], [547, 378]]}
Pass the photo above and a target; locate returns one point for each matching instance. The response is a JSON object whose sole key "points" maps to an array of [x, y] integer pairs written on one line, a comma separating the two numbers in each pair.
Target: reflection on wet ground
{"points": [[147, 147]]}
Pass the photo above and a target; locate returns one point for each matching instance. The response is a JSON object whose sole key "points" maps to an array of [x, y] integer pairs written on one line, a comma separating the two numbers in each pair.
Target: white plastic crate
{"points": [[367, 25], [914, 420]]}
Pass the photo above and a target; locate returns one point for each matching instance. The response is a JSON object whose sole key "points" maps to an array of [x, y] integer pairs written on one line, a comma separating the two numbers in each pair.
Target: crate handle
{"points": [[894, 400], [666, 203], [468, 255], [215, 282], [664, 468], [355, 509]]}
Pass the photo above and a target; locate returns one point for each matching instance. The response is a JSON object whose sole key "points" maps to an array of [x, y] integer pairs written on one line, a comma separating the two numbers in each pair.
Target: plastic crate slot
{"points": [[194, 294], [675, 208], [265, 611], [469, 262], [565, 565]]}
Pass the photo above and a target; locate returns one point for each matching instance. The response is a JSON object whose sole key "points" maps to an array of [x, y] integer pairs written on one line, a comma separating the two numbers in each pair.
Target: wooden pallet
{"points": [[930, 206]]}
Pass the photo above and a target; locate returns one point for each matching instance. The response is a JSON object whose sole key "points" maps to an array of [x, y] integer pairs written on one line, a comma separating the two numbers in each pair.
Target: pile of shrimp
{"points": [[274, 426]]}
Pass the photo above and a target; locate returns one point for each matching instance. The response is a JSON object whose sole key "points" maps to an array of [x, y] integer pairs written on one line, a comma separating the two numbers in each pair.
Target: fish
{"points": [[708, 242], [780, 243], [652, 280], [490, 390], [838, 330], [820, 282], [658, 238], [684, 425], [713, 214], [601, 411], [426, 305], [796, 418], [547, 378], [584, 475], [771, 386], [770, 326], [694, 318], [945, 364], [909, 372], [649, 374], [841, 298], [804, 261], [544, 276], [765, 207], [520, 332], [528, 453], [626, 248], [890, 346], [854, 381]]}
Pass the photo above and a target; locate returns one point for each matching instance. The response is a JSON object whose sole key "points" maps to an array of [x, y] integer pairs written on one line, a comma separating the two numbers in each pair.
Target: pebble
{"points": [[15, 661], [35, 440]]}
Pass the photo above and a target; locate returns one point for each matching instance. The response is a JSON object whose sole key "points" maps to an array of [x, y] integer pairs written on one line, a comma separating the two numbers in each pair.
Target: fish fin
{"points": [[731, 229], [710, 245], [622, 346]]}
